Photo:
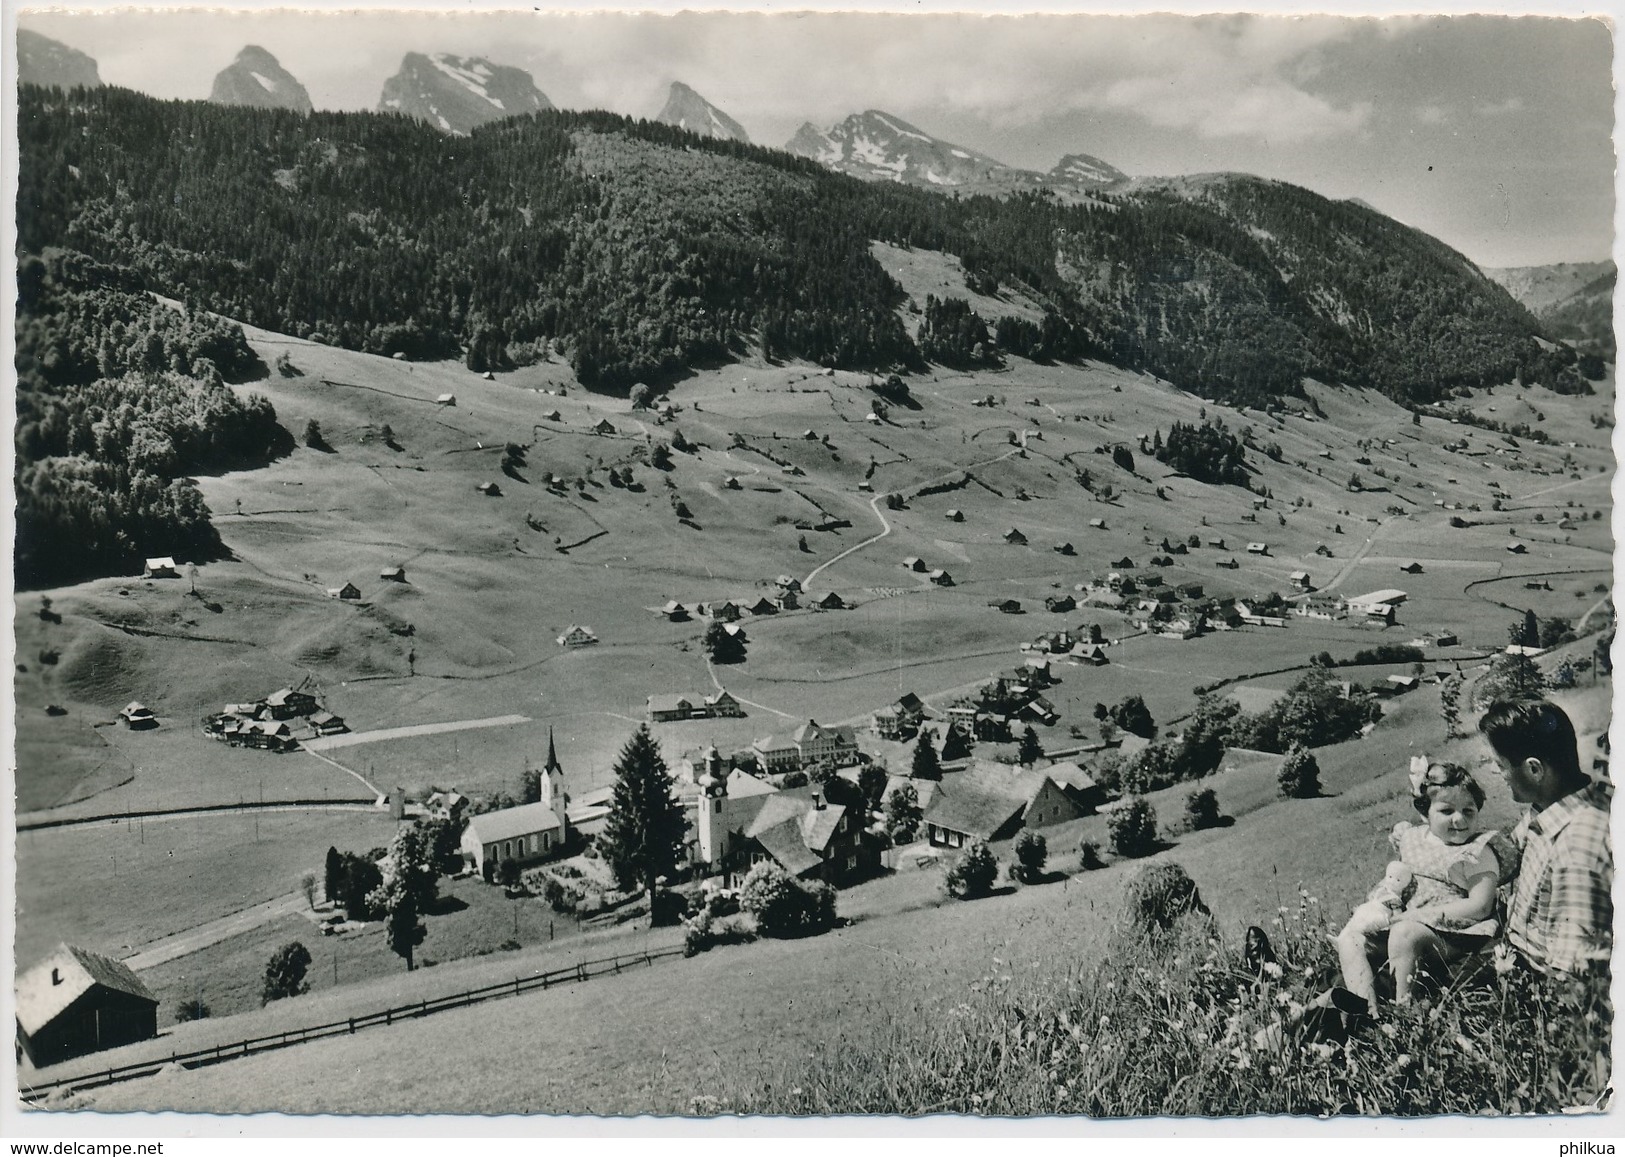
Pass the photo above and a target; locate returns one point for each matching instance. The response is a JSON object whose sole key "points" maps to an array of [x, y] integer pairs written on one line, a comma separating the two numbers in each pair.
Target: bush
{"points": [[285, 973], [193, 1009], [1299, 776], [1202, 809], [1032, 852], [705, 931], [783, 906], [1089, 856], [1133, 828], [973, 873]]}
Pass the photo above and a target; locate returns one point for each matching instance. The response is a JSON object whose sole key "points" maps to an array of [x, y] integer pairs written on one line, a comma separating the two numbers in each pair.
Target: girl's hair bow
{"points": [[1418, 773]]}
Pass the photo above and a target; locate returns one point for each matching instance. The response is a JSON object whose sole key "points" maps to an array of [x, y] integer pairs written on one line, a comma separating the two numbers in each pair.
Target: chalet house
{"points": [[809, 436], [1228, 564], [726, 612], [1060, 603], [1065, 548], [137, 717], [675, 612], [1255, 619], [1323, 550], [552, 416], [1040, 710], [993, 802], [1097, 524], [393, 574], [788, 583], [941, 578], [1399, 684], [603, 426], [1516, 548], [326, 723], [1189, 590], [161, 568], [265, 734], [1007, 606], [1014, 537], [743, 822], [899, 720], [447, 805], [489, 489], [1151, 579], [764, 606], [577, 637], [1092, 653], [287, 703], [445, 399], [1300, 580], [526, 834], [722, 705], [955, 516], [1258, 548], [1377, 604], [348, 591], [1412, 568], [730, 483], [76, 1001], [1217, 543], [1124, 563], [1179, 627], [788, 599], [830, 602]]}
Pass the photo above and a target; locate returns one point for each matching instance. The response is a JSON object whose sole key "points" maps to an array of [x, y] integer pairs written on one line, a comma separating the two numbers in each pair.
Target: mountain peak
{"points": [[876, 145], [258, 80], [47, 62], [456, 94], [688, 110]]}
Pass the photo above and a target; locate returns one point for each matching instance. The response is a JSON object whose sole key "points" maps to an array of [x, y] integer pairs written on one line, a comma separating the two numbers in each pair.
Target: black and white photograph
{"points": [[723, 565]]}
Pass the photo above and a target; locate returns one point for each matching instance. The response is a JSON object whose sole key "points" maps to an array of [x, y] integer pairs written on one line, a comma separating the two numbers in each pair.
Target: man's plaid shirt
{"points": [[1561, 914]]}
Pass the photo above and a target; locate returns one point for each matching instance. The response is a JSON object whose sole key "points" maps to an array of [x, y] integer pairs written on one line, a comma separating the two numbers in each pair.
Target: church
{"points": [[527, 834]]}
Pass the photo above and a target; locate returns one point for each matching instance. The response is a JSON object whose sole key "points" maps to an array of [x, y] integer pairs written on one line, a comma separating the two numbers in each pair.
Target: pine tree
{"points": [[1531, 629], [643, 836], [926, 765], [1030, 751]]}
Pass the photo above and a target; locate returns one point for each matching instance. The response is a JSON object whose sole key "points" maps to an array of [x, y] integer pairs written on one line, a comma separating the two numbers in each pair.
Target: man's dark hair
{"points": [[1534, 729]]}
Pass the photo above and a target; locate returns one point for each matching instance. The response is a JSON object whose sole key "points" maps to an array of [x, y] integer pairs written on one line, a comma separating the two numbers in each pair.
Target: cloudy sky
{"points": [[1493, 133]]}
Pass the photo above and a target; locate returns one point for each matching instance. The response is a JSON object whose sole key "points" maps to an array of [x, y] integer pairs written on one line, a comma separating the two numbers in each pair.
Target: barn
{"points": [[76, 1001]]}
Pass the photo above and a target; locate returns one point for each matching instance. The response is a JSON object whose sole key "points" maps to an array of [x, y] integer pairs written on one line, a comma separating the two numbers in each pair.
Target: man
{"points": [[1560, 917]]}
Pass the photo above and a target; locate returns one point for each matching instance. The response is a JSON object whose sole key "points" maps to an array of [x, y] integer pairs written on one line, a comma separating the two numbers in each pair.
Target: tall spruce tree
{"points": [[926, 764], [643, 836]]}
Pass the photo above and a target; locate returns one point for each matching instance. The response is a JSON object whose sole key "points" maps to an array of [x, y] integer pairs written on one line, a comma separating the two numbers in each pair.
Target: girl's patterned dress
{"points": [[1445, 872]]}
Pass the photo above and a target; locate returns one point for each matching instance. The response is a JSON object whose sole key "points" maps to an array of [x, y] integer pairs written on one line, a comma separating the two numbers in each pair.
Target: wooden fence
{"points": [[572, 974]]}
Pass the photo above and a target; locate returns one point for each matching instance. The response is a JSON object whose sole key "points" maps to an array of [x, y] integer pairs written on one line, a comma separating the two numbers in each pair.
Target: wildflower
{"points": [[796, 1092], [1388, 1029], [976, 1098], [1273, 969], [1104, 1020], [1403, 1060], [1322, 1049]]}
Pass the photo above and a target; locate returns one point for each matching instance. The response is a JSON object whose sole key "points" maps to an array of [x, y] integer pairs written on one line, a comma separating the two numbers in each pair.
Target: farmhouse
{"points": [[1216, 543], [393, 574], [1300, 580], [955, 516], [161, 568], [1060, 603], [1411, 568], [743, 822], [788, 599], [1258, 548], [1255, 619], [445, 399], [1014, 537], [552, 416], [577, 637], [603, 426], [830, 602], [994, 802], [915, 564], [326, 723], [266, 734], [727, 611], [1065, 548], [675, 612], [287, 703], [1092, 653], [1378, 604], [819, 744], [525, 834], [730, 483], [788, 583], [1097, 524], [1399, 684], [1228, 564], [1517, 548], [76, 1001], [941, 578], [764, 606], [777, 754], [1007, 606], [722, 705], [489, 489], [899, 720], [670, 708], [447, 805], [348, 591], [137, 717], [1124, 563]]}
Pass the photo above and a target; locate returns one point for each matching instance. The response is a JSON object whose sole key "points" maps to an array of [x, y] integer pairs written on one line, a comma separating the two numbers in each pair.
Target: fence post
{"points": [[581, 971], [352, 1026], [389, 1016], [516, 986]]}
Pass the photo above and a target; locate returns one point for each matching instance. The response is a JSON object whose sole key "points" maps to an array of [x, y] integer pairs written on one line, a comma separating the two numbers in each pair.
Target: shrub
{"points": [[1202, 809], [1032, 852], [193, 1009], [285, 972], [973, 873], [705, 931], [1299, 777], [1133, 828], [783, 906], [1089, 855]]}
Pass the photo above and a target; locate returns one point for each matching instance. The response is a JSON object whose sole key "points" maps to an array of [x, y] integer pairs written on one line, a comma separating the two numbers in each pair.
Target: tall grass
{"points": [[1174, 1025]]}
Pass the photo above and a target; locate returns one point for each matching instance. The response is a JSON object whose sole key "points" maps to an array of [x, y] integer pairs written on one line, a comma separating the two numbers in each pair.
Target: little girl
{"points": [[1456, 869]]}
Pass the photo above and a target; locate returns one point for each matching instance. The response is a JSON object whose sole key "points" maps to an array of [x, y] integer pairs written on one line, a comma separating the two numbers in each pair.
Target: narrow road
{"points": [[350, 739], [206, 935], [1365, 549], [715, 682]]}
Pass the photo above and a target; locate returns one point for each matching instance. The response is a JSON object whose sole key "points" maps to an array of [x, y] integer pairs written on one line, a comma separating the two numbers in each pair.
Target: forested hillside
{"points": [[641, 250], [118, 398]]}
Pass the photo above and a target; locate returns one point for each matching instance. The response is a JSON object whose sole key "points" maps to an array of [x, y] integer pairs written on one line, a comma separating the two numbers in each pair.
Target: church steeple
{"points": [[553, 785], [552, 756]]}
